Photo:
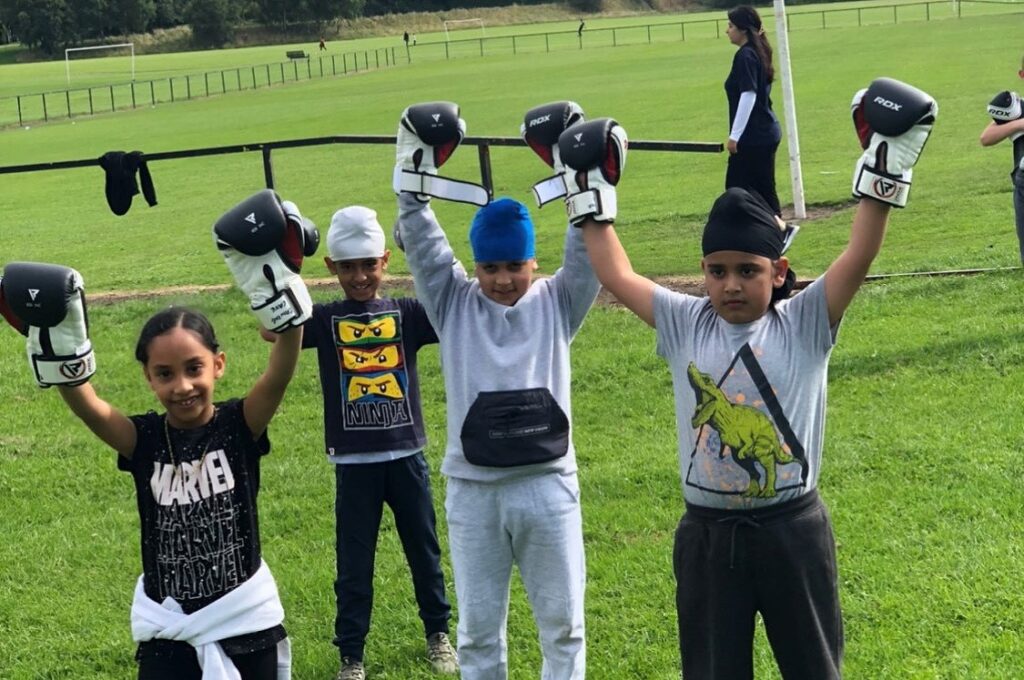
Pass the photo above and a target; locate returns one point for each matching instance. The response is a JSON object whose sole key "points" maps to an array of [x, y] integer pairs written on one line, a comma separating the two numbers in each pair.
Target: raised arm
{"points": [[893, 120], [263, 240], [428, 135], [594, 154], [845, 276], [46, 304], [268, 391], [615, 271], [996, 132], [114, 428]]}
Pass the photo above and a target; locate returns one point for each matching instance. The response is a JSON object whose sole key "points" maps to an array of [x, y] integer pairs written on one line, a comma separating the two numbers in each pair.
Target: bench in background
{"points": [[296, 54]]}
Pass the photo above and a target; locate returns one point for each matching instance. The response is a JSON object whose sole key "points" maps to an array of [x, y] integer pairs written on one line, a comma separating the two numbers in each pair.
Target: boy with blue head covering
{"points": [[512, 491]]}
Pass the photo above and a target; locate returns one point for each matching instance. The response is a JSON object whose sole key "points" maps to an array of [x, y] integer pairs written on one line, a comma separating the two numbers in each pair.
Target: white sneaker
{"points": [[443, 658], [351, 670]]}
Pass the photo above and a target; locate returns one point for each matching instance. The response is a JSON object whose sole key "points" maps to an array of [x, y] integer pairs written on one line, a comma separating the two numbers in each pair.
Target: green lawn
{"points": [[924, 428]]}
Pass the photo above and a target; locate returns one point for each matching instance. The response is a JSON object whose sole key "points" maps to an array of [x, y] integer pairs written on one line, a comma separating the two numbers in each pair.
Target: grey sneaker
{"points": [[351, 670], [443, 658]]}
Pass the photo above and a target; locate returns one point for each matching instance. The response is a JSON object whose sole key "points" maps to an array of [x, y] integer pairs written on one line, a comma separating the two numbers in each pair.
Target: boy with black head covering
{"points": [[749, 368]]}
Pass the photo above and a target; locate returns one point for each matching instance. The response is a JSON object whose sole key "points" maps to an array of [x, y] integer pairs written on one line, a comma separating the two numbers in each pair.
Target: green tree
{"points": [[212, 21], [132, 16], [168, 13], [324, 10], [47, 25], [92, 18], [278, 11]]}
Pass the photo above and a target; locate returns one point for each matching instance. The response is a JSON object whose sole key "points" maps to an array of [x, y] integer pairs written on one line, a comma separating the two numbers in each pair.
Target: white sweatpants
{"points": [[535, 523]]}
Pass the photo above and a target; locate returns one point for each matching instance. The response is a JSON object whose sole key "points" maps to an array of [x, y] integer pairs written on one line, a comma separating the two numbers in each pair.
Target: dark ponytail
{"points": [[746, 18], [173, 317]]}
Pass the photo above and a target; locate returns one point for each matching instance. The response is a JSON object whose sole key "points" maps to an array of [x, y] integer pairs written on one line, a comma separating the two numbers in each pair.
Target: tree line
{"points": [[51, 26]]}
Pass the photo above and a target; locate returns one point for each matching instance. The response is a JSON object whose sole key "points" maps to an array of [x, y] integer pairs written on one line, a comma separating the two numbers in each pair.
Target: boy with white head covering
{"points": [[374, 435]]}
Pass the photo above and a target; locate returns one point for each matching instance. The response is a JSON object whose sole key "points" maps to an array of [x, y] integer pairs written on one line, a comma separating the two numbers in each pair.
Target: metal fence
{"points": [[266, 149], [26, 108], [86, 101]]}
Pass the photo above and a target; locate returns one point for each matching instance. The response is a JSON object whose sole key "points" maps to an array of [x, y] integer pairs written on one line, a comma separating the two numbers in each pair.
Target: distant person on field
{"points": [[749, 369], [206, 602], [405, 37], [413, 38], [374, 435], [323, 44], [754, 132], [1008, 123], [579, 31]]}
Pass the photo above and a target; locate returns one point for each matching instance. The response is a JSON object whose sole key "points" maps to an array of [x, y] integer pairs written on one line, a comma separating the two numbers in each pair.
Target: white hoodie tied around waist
{"points": [[249, 608]]}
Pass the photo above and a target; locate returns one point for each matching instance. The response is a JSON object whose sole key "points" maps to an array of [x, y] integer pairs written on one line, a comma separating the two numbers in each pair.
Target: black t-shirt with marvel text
{"points": [[200, 526]]}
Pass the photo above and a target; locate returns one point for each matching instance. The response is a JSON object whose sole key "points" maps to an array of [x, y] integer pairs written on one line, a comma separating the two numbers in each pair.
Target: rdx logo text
{"points": [[538, 121], [888, 104]]}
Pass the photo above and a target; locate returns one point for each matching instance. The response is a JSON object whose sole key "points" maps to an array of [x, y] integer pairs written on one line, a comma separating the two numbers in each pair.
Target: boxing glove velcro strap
{"points": [[279, 312], [69, 370], [882, 187], [601, 206], [439, 187], [549, 189]]}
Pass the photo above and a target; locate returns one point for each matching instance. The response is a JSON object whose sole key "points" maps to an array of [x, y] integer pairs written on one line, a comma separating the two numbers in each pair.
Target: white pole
{"points": [[789, 105]]}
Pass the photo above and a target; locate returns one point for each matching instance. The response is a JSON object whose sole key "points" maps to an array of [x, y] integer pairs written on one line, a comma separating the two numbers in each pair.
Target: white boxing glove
{"points": [[263, 241]]}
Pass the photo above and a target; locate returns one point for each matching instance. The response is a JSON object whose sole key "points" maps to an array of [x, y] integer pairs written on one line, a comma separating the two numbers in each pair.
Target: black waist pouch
{"points": [[515, 427]]}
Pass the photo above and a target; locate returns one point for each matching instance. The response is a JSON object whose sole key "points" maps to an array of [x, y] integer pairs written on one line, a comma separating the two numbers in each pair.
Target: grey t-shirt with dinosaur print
{"points": [[750, 398]]}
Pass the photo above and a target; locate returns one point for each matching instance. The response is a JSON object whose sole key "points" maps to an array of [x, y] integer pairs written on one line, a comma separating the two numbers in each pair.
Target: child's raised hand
{"points": [[46, 303], [893, 121], [542, 125], [1005, 108], [263, 241], [594, 154], [428, 135]]}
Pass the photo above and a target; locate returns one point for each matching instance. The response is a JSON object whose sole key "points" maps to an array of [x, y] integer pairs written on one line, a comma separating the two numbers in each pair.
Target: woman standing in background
{"points": [[754, 131]]}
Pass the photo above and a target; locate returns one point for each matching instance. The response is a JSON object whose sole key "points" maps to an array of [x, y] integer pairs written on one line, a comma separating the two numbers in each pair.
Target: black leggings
{"points": [[167, 660], [753, 167], [779, 561]]}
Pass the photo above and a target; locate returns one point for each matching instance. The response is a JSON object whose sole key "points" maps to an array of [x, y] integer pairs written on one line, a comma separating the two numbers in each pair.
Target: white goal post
{"points": [[456, 24], [117, 46]]}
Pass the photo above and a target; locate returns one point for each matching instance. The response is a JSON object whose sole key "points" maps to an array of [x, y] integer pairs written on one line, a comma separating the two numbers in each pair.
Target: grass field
{"points": [[924, 430]]}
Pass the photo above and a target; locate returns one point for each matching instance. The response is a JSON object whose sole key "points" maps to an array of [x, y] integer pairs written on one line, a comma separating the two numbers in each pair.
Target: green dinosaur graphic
{"points": [[748, 432]]}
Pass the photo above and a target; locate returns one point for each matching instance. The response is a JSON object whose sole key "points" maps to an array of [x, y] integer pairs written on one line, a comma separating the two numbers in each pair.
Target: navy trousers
{"points": [[361, 492]]}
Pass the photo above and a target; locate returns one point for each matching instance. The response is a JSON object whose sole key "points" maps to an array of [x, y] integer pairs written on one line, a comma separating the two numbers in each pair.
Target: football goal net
{"points": [[463, 24], [115, 50]]}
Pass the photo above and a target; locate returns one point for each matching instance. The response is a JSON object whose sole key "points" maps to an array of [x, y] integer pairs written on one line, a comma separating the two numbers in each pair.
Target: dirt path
{"points": [[684, 284]]}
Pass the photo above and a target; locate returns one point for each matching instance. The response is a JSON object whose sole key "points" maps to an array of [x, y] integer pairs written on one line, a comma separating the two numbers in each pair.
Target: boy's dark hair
{"points": [[170, 318], [746, 18]]}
